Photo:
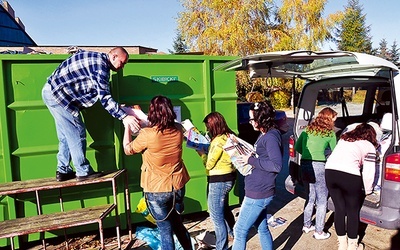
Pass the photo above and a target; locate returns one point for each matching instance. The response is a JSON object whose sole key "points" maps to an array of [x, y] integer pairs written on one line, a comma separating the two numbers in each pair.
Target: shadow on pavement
{"points": [[291, 235], [395, 241]]}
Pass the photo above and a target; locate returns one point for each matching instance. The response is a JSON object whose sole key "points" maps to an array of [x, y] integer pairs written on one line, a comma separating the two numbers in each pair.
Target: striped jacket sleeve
{"points": [[368, 169]]}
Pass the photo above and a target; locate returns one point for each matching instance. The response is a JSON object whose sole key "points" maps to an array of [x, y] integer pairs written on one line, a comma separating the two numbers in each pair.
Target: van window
{"points": [[353, 102], [345, 101], [353, 105]]}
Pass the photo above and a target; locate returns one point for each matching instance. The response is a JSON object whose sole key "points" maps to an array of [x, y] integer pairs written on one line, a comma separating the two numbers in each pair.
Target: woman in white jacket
{"points": [[349, 174]]}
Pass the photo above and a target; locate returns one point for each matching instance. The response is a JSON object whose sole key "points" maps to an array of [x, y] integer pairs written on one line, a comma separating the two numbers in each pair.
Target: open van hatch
{"points": [[310, 65]]}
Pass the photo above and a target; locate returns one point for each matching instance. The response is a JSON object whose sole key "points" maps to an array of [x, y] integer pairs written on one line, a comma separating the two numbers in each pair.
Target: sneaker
{"points": [[377, 190], [321, 236], [89, 176], [308, 229], [65, 177]]}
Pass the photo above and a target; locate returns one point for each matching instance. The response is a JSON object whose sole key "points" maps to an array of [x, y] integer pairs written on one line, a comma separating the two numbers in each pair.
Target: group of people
{"points": [[83, 79], [344, 169], [164, 174], [259, 185]]}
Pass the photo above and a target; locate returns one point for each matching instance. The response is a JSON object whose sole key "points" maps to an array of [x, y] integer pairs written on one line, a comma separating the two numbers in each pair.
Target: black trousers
{"points": [[347, 193]]}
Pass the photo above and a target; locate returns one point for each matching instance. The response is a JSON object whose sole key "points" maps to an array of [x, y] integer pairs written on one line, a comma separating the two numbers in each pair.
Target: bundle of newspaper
{"points": [[136, 111], [194, 138], [235, 146], [187, 125]]}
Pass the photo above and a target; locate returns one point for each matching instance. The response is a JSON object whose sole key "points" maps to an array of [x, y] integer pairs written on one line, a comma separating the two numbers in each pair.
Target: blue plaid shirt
{"points": [[83, 79]]}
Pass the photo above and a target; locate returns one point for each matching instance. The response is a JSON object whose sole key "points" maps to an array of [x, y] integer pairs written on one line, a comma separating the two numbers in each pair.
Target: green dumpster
{"points": [[28, 141]]}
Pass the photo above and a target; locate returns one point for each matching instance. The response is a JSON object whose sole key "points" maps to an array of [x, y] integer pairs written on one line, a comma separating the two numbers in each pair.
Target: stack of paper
{"points": [[235, 147], [139, 114], [194, 139]]}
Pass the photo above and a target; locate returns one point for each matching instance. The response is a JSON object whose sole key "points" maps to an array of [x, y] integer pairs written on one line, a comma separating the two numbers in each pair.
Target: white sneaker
{"points": [[308, 229], [321, 236]]}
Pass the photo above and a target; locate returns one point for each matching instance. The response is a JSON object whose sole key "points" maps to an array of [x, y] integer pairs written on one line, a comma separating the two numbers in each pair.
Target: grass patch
{"points": [[358, 97]]}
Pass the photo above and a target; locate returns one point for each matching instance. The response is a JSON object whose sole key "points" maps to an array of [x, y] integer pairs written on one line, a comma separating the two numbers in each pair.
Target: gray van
{"points": [[360, 88]]}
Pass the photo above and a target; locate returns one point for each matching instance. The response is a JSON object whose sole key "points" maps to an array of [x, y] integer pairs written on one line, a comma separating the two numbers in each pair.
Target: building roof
{"points": [[12, 30], [71, 49]]}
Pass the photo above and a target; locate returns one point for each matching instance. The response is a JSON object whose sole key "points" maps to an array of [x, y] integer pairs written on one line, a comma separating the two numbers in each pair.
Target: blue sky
{"points": [[150, 23]]}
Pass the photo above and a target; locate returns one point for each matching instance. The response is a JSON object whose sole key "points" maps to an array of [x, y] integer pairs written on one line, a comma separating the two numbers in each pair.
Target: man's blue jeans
{"points": [[166, 207], [71, 133], [253, 212], [317, 194], [220, 213]]}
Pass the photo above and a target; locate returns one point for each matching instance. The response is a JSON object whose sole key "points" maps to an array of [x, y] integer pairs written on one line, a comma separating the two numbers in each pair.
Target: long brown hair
{"points": [[323, 124], [216, 125], [364, 131], [161, 113]]}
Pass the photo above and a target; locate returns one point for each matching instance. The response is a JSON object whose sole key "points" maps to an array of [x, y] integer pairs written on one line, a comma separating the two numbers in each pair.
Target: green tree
{"points": [[394, 53], [383, 50], [352, 34], [179, 44]]}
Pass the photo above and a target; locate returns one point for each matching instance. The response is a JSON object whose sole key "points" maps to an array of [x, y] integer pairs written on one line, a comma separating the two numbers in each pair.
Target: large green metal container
{"points": [[28, 141]]}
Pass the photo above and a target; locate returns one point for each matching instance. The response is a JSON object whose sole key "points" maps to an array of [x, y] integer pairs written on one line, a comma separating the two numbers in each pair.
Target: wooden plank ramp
{"points": [[17, 187]]}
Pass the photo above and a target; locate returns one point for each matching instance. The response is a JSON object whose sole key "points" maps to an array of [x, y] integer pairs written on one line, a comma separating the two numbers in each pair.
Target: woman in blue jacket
{"points": [[260, 184]]}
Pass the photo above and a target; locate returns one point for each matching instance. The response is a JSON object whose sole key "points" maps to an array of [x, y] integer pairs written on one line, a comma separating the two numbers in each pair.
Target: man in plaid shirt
{"points": [[78, 83]]}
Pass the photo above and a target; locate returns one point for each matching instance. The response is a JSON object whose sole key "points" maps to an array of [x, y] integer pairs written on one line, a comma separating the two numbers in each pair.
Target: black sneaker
{"points": [[65, 177], [89, 176]]}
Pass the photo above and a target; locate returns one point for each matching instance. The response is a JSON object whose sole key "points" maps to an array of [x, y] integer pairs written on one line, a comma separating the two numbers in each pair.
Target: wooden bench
{"points": [[64, 219]]}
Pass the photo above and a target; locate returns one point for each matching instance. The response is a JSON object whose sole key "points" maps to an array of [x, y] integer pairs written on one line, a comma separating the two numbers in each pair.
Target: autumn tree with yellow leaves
{"points": [[304, 24], [226, 27], [244, 27]]}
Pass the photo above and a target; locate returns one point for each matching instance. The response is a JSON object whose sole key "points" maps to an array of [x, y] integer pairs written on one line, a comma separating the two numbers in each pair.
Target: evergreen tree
{"points": [[179, 44], [353, 34], [383, 50], [394, 53]]}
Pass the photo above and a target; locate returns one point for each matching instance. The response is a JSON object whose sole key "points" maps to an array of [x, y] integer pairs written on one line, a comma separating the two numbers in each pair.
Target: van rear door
{"points": [[310, 65]]}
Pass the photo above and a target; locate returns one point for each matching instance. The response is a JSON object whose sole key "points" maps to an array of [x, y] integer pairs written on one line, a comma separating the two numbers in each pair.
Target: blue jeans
{"points": [[166, 207], [253, 212], [71, 133], [221, 215], [317, 195]]}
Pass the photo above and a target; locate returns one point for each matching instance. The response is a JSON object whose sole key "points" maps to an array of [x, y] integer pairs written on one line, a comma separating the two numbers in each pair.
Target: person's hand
{"points": [[243, 159], [131, 122]]}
